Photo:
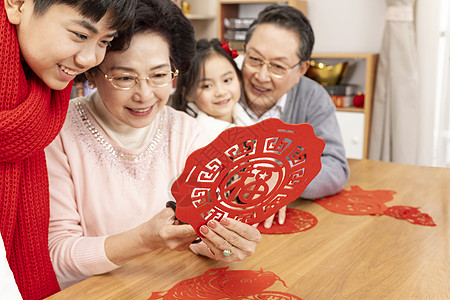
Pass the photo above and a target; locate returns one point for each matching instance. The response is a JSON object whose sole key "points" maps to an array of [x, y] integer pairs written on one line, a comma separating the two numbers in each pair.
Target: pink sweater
{"points": [[99, 189]]}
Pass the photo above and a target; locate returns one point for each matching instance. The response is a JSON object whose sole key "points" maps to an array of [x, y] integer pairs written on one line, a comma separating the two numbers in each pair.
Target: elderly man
{"points": [[277, 55]]}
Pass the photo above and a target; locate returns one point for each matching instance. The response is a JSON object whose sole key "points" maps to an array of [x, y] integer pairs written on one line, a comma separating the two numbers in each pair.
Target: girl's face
{"points": [[219, 89], [147, 55]]}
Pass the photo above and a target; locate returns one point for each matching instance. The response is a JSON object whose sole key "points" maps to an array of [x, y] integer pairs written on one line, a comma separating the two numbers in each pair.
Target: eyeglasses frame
{"points": [[269, 66], [138, 79]]}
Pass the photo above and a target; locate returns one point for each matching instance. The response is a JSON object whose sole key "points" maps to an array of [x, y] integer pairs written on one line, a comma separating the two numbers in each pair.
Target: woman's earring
{"points": [[91, 85]]}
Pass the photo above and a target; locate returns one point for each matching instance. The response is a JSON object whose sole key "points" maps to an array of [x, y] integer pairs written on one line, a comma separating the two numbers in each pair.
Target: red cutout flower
{"points": [[247, 173]]}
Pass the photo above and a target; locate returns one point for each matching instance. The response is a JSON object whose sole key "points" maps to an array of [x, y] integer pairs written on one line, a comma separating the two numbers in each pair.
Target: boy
{"points": [[44, 45]]}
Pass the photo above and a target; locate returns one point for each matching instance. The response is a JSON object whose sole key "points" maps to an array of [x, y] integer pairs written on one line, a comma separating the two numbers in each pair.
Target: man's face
{"points": [[61, 43], [279, 46]]}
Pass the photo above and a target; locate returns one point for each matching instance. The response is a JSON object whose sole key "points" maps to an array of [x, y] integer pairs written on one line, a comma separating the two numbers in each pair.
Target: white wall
{"points": [[347, 25], [340, 26], [358, 25], [433, 43]]}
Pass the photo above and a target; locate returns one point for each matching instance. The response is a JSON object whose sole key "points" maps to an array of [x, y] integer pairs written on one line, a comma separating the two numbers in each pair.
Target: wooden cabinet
{"points": [[249, 8], [208, 20], [207, 16], [355, 122], [352, 128], [203, 15]]}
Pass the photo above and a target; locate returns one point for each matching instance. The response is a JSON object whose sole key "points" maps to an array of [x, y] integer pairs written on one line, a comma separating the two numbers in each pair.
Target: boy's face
{"points": [[59, 44]]}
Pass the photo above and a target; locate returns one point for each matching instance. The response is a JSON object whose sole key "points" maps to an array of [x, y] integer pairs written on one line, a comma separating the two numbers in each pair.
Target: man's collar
{"points": [[274, 112]]}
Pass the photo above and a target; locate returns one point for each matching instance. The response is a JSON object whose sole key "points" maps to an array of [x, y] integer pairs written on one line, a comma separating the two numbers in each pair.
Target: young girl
{"points": [[210, 91]]}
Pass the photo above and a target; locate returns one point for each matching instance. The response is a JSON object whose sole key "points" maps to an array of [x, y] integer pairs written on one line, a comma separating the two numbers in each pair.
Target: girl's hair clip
{"points": [[227, 49]]}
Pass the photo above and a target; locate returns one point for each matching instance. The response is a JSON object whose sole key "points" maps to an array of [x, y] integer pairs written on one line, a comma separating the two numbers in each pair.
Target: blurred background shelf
{"points": [[249, 9], [355, 122], [203, 16], [208, 18]]}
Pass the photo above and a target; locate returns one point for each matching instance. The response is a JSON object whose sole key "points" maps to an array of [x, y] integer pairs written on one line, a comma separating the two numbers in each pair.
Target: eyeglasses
{"points": [[127, 81], [275, 70]]}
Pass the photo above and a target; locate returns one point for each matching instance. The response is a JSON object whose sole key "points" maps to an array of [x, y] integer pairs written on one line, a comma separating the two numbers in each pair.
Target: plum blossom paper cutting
{"points": [[247, 173]]}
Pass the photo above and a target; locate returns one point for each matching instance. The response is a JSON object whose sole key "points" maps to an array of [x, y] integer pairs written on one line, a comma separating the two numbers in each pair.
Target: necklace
{"points": [[116, 152]]}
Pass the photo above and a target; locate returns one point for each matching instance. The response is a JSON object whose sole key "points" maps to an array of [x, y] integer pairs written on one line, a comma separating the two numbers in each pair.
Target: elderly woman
{"points": [[111, 167]]}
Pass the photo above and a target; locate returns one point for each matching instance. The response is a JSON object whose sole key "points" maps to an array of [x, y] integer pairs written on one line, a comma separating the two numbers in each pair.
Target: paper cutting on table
{"points": [[247, 173], [296, 221], [361, 202], [226, 284], [357, 201], [410, 214]]}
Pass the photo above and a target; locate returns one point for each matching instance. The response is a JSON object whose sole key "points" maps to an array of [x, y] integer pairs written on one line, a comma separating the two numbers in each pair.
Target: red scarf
{"points": [[31, 115]]}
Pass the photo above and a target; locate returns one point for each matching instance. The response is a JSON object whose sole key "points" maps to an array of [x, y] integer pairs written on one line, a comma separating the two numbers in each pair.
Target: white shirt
{"points": [[275, 112], [8, 287], [212, 126]]}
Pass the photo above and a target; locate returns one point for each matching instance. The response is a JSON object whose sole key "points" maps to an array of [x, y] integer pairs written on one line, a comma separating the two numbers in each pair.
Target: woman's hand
{"points": [[202, 249], [228, 240], [161, 231]]}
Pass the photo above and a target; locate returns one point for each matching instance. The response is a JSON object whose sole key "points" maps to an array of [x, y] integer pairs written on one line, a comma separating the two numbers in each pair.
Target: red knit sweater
{"points": [[31, 115]]}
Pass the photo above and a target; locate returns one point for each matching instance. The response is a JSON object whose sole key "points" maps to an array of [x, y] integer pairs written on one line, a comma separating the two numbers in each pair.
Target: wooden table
{"points": [[343, 257]]}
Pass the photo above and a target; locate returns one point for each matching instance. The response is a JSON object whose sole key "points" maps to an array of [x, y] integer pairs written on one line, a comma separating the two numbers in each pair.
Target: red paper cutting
{"points": [[220, 283], [357, 201], [361, 202], [247, 173], [411, 214], [296, 221]]}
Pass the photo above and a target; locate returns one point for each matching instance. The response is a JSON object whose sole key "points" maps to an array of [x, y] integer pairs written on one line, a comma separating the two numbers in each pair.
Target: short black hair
{"points": [[187, 83], [289, 18], [162, 17], [165, 18], [122, 11]]}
